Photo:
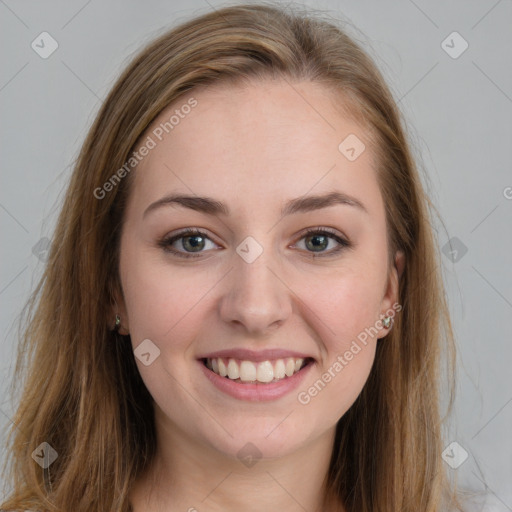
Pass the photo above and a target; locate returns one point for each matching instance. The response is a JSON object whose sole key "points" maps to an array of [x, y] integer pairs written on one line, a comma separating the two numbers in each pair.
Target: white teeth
{"points": [[247, 371], [233, 372], [265, 372], [279, 369], [222, 368], [290, 367]]}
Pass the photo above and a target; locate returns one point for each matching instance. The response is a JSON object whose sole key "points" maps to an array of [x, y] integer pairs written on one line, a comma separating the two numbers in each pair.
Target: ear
{"points": [[399, 263], [118, 308], [391, 297]]}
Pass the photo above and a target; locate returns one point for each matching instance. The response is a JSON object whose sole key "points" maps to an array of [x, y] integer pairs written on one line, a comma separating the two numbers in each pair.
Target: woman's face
{"points": [[252, 291]]}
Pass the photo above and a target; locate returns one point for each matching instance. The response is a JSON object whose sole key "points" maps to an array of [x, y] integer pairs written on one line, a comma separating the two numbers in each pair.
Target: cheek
{"points": [[164, 303], [331, 394], [343, 307], [344, 315]]}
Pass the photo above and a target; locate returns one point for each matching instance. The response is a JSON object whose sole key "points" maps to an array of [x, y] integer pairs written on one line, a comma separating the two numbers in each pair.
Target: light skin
{"points": [[253, 148]]}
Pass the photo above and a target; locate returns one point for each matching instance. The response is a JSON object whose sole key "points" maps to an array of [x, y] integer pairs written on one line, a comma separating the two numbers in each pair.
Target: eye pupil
{"points": [[193, 246], [319, 242]]}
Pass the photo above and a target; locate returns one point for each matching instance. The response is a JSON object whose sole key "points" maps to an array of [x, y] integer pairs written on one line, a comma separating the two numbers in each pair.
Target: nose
{"points": [[256, 300]]}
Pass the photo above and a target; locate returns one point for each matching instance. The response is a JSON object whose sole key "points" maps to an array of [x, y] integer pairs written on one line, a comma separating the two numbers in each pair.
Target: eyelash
{"points": [[167, 241]]}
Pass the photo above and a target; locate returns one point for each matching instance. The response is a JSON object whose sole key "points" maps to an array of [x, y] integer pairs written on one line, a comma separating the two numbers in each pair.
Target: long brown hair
{"points": [[82, 393]]}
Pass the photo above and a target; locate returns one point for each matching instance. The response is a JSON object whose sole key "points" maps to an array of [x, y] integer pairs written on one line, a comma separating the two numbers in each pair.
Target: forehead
{"points": [[268, 137]]}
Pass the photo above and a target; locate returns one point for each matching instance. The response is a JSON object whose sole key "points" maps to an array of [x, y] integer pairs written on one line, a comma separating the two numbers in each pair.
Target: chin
{"points": [[259, 440]]}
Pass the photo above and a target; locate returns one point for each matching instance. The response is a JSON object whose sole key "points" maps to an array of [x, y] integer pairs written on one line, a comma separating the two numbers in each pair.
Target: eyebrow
{"points": [[211, 206]]}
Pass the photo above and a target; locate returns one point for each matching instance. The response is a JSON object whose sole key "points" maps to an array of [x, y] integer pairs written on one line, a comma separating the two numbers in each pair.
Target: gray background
{"points": [[459, 111]]}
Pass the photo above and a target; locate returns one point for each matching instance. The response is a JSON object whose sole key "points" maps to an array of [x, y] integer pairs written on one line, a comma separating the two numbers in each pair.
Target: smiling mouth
{"points": [[249, 372]]}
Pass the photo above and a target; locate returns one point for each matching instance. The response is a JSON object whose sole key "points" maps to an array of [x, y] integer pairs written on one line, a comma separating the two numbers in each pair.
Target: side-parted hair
{"points": [[81, 391]]}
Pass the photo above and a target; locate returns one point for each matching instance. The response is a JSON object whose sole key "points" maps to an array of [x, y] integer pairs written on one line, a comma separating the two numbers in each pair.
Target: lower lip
{"points": [[258, 392]]}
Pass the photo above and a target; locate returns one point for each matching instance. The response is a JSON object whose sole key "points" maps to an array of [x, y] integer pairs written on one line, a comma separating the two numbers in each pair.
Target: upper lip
{"points": [[255, 355]]}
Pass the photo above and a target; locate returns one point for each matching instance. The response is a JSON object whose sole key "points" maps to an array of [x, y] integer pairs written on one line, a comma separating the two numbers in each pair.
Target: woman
{"points": [[242, 308]]}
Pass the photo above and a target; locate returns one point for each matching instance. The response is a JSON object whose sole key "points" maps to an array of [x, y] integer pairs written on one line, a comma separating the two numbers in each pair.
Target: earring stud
{"points": [[387, 321], [118, 322]]}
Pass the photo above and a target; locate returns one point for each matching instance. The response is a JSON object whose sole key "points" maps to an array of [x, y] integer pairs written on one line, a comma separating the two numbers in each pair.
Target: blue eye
{"points": [[192, 243], [318, 239]]}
